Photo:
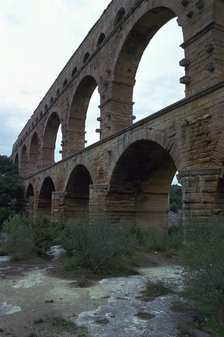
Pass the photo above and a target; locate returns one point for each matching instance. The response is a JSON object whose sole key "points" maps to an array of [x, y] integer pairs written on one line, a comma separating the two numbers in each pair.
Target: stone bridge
{"points": [[128, 173]]}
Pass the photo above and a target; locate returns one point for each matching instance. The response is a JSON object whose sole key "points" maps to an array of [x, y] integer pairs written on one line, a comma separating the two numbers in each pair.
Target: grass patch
{"points": [[82, 282], [184, 330], [62, 323], [39, 321], [32, 334], [103, 321], [144, 315], [179, 306], [65, 324], [154, 290]]}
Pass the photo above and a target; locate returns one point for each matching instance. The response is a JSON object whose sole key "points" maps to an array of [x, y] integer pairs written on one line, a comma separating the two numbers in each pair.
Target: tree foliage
{"points": [[176, 198], [11, 194]]}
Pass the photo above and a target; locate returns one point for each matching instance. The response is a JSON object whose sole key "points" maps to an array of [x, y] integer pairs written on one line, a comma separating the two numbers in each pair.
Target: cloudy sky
{"points": [[37, 39]]}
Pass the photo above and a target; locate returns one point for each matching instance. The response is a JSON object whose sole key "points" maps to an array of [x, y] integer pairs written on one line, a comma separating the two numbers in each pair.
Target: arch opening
{"points": [[119, 16], [24, 162], [157, 83], [86, 57], [29, 198], [29, 192], [51, 134], [92, 125], [16, 160], [81, 124], [34, 154], [140, 186], [76, 202], [74, 71], [100, 39], [45, 198], [58, 145], [130, 57]]}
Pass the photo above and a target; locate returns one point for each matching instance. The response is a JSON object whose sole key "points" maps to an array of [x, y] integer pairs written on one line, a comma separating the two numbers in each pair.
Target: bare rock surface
{"points": [[30, 297]]}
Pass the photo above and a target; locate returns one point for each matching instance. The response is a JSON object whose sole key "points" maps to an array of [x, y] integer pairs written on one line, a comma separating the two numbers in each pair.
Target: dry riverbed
{"points": [[34, 303]]}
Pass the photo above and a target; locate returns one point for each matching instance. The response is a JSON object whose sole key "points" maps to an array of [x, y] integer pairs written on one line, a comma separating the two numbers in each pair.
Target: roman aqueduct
{"points": [[128, 172]]}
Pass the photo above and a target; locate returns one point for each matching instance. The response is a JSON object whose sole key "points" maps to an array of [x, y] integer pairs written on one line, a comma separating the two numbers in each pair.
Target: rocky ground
{"points": [[34, 303]]}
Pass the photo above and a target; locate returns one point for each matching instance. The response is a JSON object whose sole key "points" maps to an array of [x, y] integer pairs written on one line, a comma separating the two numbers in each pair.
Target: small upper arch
{"points": [[86, 57], [119, 16], [100, 40]]}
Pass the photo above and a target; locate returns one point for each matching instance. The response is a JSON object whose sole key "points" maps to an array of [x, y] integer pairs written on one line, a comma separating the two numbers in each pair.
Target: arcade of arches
{"points": [[128, 172]]}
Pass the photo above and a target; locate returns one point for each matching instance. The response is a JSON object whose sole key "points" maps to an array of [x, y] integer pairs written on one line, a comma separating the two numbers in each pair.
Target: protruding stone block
{"points": [[184, 2], [184, 63], [210, 66], [185, 80]]}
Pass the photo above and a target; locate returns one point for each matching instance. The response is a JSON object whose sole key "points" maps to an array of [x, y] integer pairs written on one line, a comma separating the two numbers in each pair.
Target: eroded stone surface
{"points": [[7, 309], [118, 315]]}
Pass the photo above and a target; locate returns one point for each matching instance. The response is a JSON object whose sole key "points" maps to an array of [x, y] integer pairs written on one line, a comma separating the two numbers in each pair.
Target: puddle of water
{"points": [[7, 309]]}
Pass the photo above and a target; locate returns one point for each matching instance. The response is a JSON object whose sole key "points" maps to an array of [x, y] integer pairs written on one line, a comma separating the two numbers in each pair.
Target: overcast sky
{"points": [[37, 39]]}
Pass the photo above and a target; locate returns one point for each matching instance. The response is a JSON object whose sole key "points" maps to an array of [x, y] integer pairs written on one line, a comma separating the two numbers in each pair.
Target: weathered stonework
{"points": [[129, 171]]}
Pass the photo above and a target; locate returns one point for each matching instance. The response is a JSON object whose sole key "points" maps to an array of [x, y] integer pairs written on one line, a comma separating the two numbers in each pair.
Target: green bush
{"points": [[45, 235], [175, 198], [27, 238], [19, 236], [161, 241], [92, 244], [203, 258], [11, 190]]}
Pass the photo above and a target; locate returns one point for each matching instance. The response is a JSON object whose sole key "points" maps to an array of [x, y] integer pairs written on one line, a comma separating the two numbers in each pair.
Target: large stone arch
{"points": [[146, 22], [140, 182], [151, 135], [77, 190], [34, 154], [49, 139], [140, 185], [75, 138], [45, 198]]}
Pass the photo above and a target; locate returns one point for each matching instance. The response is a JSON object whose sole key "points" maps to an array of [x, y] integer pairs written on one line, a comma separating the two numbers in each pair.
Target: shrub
{"points": [[92, 244], [204, 261], [168, 243], [175, 198], [19, 236], [45, 234], [26, 238]]}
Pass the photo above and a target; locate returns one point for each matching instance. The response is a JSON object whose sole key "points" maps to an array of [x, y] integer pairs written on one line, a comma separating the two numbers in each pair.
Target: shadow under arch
{"points": [[16, 160], [140, 185], [29, 192], [76, 201], [29, 199], [49, 140], [45, 198], [130, 55], [34, 154], [78, 111], [23, 167]]}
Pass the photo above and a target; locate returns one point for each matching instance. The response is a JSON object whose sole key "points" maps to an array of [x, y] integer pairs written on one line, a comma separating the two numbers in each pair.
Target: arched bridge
{"points": [[128, 172]]}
